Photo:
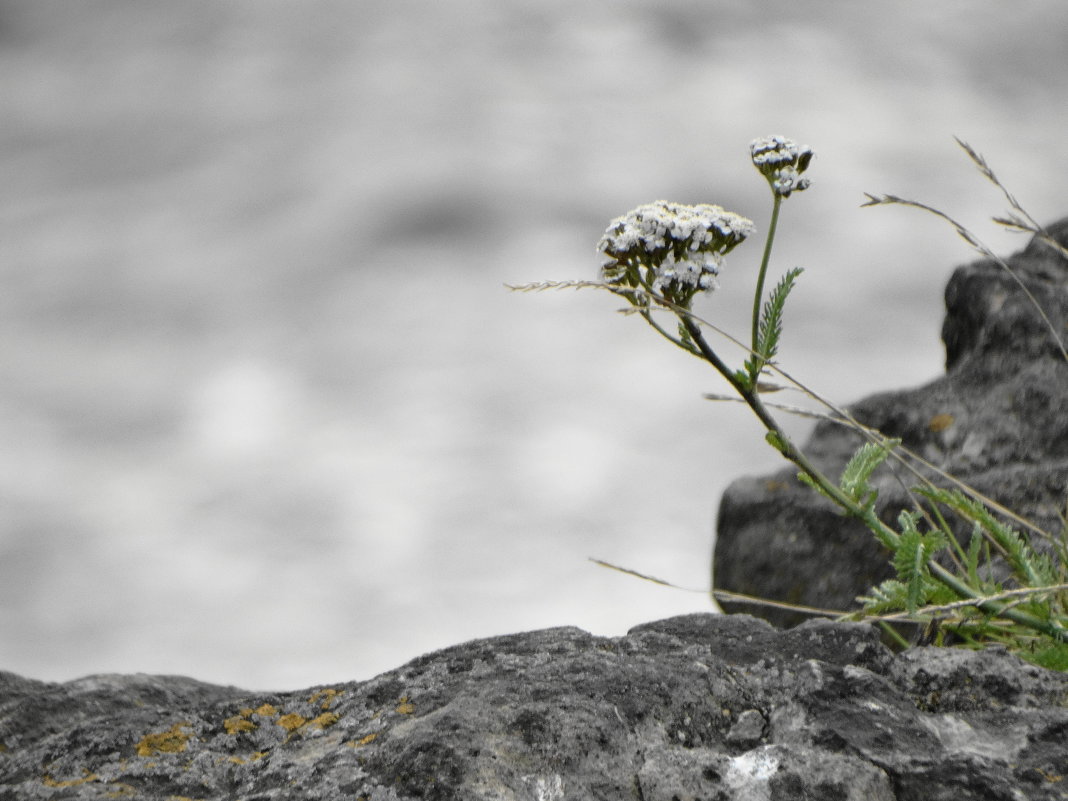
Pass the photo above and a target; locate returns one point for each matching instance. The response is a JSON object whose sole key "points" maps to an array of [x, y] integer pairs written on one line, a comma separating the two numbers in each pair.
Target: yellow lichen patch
{"points": [[940, 422], [325, 697], [324, 720], [291, 722], [370, 738], [172, 741], [405, 707], [121, 790], [251, 758], [266, 711], [48, 781], [237, 723]]}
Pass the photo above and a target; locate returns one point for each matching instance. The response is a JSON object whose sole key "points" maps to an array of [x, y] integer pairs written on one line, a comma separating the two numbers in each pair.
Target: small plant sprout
{"points": [[659, 256]]}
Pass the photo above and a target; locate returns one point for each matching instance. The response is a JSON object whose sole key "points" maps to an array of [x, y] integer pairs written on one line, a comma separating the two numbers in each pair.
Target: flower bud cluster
{"points": [[672, 249], [781, 161]]}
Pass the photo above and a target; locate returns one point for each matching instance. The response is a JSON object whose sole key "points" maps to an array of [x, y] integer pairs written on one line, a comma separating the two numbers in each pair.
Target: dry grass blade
{"points": [[642, 576], [1019, 594], [901, 454], [544, 286], [975, 242], [722, 594], [1018, 219]]}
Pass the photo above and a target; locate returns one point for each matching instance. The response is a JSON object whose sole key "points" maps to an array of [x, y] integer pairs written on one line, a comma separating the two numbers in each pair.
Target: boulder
{"points": [[996, 420], [696, 707]]}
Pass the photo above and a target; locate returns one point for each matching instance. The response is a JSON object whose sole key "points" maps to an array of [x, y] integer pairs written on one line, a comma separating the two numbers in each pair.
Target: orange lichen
{"points": [[370, 738], [325, 698], [324, 720], [291, 722], [266, 710], [172, 741], [238, 723], [48, 781], [940, 422], [121, 790], [405, 707], [251, 758]]}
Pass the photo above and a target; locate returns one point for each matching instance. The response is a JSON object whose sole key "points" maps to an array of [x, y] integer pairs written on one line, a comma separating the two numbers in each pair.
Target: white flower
{"points": [[781, 161], [670, 248]]}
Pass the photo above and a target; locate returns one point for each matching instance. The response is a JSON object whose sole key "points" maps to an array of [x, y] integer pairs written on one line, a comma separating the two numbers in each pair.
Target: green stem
{"points": [[759, 294], [648, 317], [752, 398], [996, 608]]}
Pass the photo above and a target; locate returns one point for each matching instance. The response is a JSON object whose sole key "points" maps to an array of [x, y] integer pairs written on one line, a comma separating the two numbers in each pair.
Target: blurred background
{"points": [[268, 415]]}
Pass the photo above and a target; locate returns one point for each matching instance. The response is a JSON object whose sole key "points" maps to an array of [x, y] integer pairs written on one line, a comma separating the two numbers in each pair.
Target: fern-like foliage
{"points": [[769, 330], [856, 476], [971, 558], [914, 551], [1032, 568], [890, 596]]}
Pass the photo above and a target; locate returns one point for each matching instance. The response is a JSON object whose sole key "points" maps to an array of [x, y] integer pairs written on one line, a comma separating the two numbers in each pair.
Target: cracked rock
{"points": [[696, 707]]}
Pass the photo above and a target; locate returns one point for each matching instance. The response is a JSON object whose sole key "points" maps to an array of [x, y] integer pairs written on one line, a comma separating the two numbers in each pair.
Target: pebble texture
{"points": [[995, 420], [696, 707]]}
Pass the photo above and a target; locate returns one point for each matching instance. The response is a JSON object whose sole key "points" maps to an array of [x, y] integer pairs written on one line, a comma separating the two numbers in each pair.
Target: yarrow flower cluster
{"points": [[781, 161], [672, 249]]}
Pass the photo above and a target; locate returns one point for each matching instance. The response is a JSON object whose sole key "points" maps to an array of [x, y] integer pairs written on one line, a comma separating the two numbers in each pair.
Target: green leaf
{"points": [[914, 550], [890, 596], [1053, 657], [775, 441], [743, 379], [686, 340], [858, 470], [971, 562], [769, 330], [1031, 568], [908, 560], [811, 483]]}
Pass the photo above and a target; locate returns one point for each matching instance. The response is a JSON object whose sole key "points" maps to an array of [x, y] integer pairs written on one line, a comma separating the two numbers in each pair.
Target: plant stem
{"points": [[759, 294], [752, 398], [995, 608]]}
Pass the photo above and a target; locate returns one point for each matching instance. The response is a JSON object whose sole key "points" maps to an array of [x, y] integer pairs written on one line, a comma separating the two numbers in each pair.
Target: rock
{"points": [[694, 707], [995, 420]]}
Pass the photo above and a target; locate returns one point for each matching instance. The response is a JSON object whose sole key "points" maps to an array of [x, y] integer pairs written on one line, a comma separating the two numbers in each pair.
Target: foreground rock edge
{"points": [[700, 706]]}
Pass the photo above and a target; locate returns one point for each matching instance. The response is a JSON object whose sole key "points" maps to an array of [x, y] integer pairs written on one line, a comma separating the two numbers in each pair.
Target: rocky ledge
{"points": [[696, 707]]}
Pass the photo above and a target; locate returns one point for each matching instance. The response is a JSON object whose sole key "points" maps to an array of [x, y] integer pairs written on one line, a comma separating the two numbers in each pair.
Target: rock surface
{"points": [[995, 420], [695, 707]]}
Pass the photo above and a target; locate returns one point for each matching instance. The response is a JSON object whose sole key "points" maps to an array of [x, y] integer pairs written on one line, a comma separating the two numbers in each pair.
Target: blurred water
{"points": [[268, 415]]}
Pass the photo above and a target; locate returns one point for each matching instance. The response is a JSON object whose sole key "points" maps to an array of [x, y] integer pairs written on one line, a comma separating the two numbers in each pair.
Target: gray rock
{"points": [[696, 707], [996, 420]]}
